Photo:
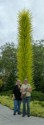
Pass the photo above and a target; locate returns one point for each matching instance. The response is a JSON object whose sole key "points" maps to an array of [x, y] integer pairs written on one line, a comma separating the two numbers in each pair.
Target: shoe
{"points": [[23, 115], [14, 113], [28, 115], [19, 113]]}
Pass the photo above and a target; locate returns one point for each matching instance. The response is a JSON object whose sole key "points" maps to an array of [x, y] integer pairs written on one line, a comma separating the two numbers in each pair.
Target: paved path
{"points": [[7, 118]]}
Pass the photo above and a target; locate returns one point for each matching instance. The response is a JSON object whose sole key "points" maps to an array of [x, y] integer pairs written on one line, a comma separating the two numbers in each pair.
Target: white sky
{"points": [[8, 18]]}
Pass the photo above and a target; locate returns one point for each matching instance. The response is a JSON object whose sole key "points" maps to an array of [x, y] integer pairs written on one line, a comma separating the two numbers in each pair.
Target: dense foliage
{"points": [[8, 68], [39, 65]]}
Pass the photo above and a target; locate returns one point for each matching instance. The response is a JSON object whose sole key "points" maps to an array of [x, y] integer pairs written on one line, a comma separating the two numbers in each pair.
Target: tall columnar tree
{"points": [[25, 52]]}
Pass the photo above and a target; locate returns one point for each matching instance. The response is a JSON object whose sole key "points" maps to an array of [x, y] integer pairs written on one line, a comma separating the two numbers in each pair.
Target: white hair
{"points": [[25, 79], [18, 80]]}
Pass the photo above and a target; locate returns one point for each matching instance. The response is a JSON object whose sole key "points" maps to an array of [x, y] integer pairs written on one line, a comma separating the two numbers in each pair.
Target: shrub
{"points": [[1, 84], [37, 96]]}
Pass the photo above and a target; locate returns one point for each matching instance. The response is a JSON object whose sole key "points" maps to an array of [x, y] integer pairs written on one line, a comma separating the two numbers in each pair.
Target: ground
{"points": [[7, 118]]}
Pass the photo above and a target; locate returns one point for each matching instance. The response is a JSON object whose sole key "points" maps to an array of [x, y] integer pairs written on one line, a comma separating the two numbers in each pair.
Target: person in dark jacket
{"points": [[17, 97]]}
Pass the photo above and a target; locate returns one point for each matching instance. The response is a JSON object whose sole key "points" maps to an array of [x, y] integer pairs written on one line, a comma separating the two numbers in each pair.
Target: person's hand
{"points": [[22, 90], [13, 97], [29, 90]]}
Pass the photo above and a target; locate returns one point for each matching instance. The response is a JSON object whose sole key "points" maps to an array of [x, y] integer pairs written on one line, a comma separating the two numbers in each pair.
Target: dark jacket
{"points": [[16, 92]]}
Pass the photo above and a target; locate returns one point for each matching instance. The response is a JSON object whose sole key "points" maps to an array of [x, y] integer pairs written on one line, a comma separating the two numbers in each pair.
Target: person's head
{"points": [[25, 81], [18, 82]]}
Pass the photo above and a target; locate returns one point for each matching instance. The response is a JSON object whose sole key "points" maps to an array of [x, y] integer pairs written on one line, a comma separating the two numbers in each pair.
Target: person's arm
{"points": [[22, 89], [29, 89], [13, 93], [13, 96]]}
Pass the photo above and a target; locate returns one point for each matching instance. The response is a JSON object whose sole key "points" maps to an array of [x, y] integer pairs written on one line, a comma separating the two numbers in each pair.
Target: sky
{"points": [[9, 10]]}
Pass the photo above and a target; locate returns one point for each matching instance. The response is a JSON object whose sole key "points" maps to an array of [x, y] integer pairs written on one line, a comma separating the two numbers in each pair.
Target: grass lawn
{"points": [[37, 107]]}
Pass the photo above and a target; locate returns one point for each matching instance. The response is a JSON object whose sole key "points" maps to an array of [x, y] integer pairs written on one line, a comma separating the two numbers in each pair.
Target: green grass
{"points": [[7, 101], [37, 107]]}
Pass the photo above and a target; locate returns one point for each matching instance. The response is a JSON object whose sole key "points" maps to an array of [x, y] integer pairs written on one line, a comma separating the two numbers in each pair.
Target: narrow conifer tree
{"points": [[25, 51]]}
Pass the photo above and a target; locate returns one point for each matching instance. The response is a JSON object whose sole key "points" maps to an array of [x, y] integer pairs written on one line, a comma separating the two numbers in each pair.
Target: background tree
{"points": [[1, 75], [9, 64], [25, 52], [0, 62], [38, 50]]}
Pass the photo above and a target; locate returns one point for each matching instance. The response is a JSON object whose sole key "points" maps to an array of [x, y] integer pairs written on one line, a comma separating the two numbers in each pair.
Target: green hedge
{"points": [[37, 96]]}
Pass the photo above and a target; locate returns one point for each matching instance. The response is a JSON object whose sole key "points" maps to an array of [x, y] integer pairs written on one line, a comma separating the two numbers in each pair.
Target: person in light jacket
{"points": [[26, 94]]}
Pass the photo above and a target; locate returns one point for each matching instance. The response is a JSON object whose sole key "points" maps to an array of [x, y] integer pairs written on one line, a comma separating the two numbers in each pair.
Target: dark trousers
{"points": [[26, 105], [17, 104]]}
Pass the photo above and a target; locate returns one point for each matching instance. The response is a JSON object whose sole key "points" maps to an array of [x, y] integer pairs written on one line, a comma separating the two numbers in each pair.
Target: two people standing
{"points": [[23, 93]]}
